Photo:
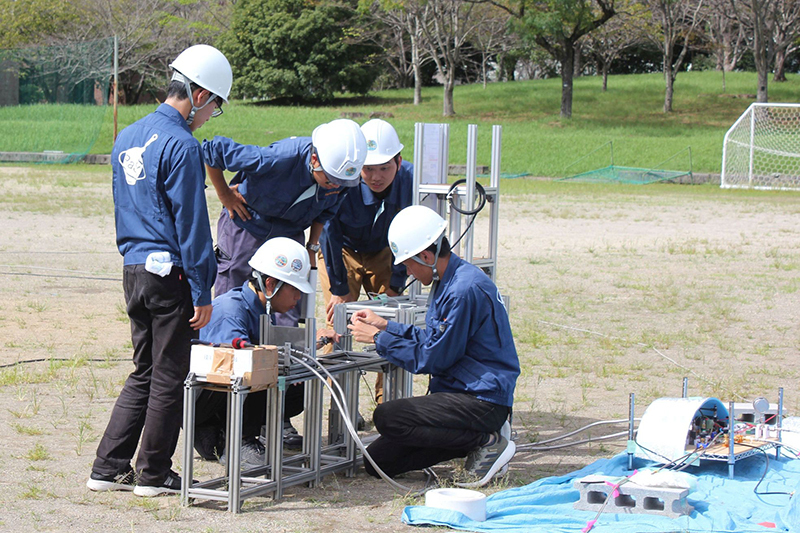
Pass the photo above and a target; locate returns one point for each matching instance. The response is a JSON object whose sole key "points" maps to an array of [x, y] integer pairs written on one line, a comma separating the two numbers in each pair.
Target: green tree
{"points": [[557, 26], [30, 22], [298, 49]]}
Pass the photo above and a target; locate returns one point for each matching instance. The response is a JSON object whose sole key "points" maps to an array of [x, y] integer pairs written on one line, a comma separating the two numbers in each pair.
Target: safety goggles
{"points": [[334, 180], [218, 111]]}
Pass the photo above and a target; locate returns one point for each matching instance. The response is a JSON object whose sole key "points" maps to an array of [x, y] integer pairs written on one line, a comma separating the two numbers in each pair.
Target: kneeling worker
{"points": [[280, 273], [467, 348]]}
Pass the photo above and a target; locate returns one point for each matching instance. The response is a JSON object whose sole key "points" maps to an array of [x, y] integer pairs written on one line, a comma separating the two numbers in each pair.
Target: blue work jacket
{"points": [[159, 198], [467, 345], [272, 179], [362, 224], [236, 314]]}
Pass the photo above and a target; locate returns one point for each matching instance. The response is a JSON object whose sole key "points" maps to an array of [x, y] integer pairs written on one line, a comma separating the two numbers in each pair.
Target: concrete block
{"points": [[632, 498]]}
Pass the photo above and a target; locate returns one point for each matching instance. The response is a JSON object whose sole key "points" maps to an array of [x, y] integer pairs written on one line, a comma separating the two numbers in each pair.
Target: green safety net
{"points": [[54, 100], [628, 175]]}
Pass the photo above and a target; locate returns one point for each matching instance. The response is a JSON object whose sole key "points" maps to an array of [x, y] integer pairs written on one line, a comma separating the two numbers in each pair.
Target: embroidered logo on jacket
{"points": [[132, 161]]}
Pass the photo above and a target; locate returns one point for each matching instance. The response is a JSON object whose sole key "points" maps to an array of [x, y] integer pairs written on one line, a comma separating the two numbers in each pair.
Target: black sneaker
{"points": [[291, 439], [123, 481], [209, 442], [252, 454], [171, 485]]}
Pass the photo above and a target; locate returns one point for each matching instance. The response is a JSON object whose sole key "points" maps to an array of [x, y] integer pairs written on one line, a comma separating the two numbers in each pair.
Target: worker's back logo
{"points": [[132, 161], [297, 265], [372, 145], [393, 246], [281, 260], [350, 171], [500, 298]]}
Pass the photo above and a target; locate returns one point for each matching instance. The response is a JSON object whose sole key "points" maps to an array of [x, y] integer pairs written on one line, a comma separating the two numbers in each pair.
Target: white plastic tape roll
{"points": [[468, 502]]}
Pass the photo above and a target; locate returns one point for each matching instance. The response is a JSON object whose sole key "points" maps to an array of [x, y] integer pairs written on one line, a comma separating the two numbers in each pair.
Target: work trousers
{"points": [[211, 409], [235, 248], [422, 431], [150, 405], [371, 271]]}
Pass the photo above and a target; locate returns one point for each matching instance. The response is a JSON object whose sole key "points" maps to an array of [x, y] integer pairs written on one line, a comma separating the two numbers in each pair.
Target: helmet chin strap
{"points": [[432, 266], [177, 76], [263, 289]]}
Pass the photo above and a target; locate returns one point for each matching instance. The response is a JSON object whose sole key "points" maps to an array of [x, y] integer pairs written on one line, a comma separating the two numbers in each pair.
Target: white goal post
{"points": [[762, 149]]}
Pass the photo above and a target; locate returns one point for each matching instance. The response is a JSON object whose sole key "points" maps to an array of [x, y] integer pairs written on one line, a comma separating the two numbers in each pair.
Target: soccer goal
{"points": [[762, 149]]}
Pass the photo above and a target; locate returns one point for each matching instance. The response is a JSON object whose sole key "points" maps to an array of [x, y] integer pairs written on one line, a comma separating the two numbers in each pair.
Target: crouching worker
{"points": [[466, 347], [279, 275]]}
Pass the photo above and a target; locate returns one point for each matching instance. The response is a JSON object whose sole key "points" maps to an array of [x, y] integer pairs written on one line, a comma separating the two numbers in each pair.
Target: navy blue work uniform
{"points": [[468, 350], [282, 198], [360, 230], [237, 314], [160, 209]]}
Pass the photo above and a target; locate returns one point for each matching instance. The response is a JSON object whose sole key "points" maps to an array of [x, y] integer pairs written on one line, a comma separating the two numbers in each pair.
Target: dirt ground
{"points": [[613, 290]]}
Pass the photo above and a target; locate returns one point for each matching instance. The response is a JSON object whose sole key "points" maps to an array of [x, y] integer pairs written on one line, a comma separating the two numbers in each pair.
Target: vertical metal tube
{"points": [[779, 422], [471, 175], [731, 456], [494, 207], [685, 388], [631, 441], [188, 438], [419, 142]]}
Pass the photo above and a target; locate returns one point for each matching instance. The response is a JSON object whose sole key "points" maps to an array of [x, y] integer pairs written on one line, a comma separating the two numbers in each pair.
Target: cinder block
{"points": [[632, 498]]}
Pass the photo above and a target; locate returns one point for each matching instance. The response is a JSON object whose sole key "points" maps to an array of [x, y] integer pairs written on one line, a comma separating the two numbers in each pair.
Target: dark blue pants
{"points": [[211, 409], [235, 247], [423, 431], [150, 405]]}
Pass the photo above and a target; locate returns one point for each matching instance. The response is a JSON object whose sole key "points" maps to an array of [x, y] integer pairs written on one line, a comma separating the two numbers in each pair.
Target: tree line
{"points": [[309, 50]]}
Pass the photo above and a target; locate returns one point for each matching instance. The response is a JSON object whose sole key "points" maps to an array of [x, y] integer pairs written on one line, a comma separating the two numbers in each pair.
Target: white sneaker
{"points": [[171, 485], [487, 461]]}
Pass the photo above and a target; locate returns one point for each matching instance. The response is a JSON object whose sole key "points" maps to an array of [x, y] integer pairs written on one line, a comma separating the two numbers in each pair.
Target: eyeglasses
{"points": [[218, 111]]}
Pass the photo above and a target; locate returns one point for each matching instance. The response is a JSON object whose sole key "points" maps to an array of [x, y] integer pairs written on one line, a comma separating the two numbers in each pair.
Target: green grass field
{"points": [[535, 139]]}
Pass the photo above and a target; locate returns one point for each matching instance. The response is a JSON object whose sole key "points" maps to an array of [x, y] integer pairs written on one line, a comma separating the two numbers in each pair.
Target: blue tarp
{"points": [[721, 504]]}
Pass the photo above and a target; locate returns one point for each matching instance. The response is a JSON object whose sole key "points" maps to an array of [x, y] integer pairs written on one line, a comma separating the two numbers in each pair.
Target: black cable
{"points": [[119, 280], [764, 474], [481, 194], [94, 360]]}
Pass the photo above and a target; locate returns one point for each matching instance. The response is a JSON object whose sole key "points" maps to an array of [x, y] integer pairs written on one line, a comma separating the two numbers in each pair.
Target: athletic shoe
{"points": [[252, 454], [488, 460], [291, 439], [505, 431], [171, 485], [123, 481]]}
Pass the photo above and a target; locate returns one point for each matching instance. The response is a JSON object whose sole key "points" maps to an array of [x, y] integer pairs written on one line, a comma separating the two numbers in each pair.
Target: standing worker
{"points": [[466, 347], [164, 237], [355, 251], [279, 191]]}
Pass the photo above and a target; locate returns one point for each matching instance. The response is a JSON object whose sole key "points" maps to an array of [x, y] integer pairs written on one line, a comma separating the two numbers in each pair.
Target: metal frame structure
{"points": [[280, 471], [717, 452], [431, 188], [316, 459]]}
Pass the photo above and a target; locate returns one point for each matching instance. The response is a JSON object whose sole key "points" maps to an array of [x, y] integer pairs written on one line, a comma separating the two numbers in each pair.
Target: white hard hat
{"points": [[341, 149], [207, 67], [284, 259], [414, 229], [382, 141]]}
